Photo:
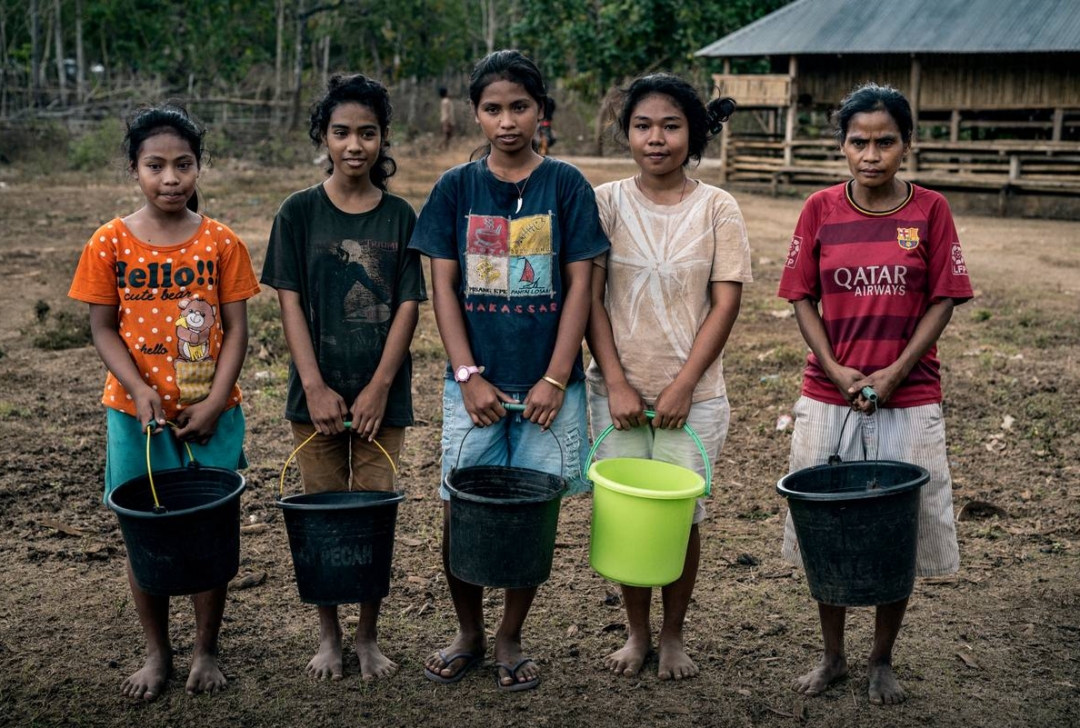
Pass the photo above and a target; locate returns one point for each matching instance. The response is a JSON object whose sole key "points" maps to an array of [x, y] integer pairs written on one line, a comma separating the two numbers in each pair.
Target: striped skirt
{"points": [[914, 435]]}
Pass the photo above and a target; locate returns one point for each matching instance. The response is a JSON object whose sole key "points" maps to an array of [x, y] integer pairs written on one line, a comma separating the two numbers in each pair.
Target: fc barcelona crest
{"points": [[908, 238]]}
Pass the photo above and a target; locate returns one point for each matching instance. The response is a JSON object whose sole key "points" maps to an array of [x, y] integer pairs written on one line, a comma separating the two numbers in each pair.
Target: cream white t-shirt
{"points": [[662, 261]]}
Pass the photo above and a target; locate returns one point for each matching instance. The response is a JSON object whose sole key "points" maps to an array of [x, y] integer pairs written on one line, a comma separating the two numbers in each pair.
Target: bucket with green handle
{"points": [[503, 521], [642, 514]]}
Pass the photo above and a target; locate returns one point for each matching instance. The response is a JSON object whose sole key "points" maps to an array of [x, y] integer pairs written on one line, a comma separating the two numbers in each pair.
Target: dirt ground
{"points": [[997, 644]]}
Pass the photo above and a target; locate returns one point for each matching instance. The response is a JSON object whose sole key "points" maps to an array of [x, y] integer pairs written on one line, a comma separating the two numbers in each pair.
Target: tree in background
{"points": [[594, 46], [271, 54]]}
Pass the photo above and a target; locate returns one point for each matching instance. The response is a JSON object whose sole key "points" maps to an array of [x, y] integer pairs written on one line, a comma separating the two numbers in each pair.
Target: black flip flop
{"points": [[471, 660], [515, 686]]}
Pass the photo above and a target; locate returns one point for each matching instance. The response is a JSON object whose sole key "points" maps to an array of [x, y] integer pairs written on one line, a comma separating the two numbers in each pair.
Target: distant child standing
{"points": [[446, 117], [663, 304], [349, 292], [167, 289], [511, 237]]}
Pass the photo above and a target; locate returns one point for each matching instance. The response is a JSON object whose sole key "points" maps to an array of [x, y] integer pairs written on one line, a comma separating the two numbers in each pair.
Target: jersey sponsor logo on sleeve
{"points": [[908, 238], [793, 251], [959, 267]]}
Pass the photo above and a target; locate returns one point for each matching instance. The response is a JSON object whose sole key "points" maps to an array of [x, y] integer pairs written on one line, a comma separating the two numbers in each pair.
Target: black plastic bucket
{"points": [[502, 525], [194, 545], [342, 544], [857, 525]]}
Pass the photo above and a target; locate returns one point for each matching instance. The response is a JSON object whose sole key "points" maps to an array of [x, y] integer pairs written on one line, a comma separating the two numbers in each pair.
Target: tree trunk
{"points": [[3, 67], [80, 56], [298, 65], [325, 60], [279, 58], [490, 24], [375, 59], [61, 70], [35, 53]]}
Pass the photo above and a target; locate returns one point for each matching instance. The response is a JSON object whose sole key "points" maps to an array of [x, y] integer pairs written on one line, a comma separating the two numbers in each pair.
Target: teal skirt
{"points": [[125, 450]]}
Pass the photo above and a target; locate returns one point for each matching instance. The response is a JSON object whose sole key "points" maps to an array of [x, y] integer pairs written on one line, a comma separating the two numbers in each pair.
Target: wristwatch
{"points": [[463, 372]]}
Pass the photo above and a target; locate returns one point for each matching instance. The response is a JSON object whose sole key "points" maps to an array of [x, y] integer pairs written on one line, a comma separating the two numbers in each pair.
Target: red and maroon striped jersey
{"points": [[875, 274]]}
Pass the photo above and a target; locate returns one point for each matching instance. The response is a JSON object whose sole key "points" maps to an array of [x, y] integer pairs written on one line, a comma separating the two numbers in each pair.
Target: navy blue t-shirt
{"points": [[511, 289]]}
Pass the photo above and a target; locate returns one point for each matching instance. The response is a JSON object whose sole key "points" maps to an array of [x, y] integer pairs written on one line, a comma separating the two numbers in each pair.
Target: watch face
{"points": [[462, 374]]}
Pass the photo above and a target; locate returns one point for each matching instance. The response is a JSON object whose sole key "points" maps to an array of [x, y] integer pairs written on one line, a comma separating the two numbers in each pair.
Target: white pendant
{"points": [[518, 207]]}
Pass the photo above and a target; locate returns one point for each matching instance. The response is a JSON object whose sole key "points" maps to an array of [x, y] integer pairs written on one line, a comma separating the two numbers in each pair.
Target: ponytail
{"points": [[717, 112]]}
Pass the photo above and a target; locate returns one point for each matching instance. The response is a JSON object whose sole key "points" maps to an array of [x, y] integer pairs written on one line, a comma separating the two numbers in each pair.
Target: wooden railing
{"points": [[998, 165]]}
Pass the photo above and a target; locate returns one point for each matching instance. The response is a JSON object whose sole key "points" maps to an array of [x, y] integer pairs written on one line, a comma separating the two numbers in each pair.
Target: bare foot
{"points": [[675, 664], [148, 682], [884, 687], [508, 652], [450, 662], [205, 675], [627, 661], [818, 679], [373, 663], [327, 661]]}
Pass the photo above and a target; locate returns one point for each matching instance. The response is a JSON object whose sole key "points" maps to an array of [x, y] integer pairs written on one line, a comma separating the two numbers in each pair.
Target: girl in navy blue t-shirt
{"points": [[511, 237]]}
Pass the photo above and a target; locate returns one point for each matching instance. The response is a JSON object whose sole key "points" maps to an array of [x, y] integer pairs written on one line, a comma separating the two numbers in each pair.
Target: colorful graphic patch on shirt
{"points": [[793, 251], [488, 235], [908, 238], [530, 275], [959, 267], [487, 275], [509, 257]]}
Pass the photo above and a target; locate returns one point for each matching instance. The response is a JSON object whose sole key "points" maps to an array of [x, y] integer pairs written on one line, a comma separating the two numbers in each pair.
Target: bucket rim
{"points": [[457, 494], [120, 510], [392, 497], [861, 495], [695, 491]]}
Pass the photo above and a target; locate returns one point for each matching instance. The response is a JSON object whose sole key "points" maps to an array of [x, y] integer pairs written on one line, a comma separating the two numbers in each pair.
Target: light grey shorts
{"points": [[708, 419]]}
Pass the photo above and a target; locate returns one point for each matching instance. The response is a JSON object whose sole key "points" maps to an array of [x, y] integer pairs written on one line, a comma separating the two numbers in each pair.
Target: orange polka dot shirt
{"points": [[169, 301]]}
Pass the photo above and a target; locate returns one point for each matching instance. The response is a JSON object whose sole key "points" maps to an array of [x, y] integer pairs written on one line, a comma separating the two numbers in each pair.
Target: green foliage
{"points": [[225, 46], [39, 145], [98, 148], [55, 330], [265, 334], [594, 44]]}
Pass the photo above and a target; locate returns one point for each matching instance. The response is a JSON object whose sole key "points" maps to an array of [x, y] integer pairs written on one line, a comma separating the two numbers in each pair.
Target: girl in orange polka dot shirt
{"points": [[168, 291]]}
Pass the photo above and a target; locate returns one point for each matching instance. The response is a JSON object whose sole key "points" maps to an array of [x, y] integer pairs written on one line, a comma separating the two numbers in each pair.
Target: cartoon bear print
{"points": [[193, 328]]}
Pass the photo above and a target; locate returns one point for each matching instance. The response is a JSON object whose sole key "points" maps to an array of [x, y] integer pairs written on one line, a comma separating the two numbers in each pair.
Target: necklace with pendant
{"points": [[521, 191]]}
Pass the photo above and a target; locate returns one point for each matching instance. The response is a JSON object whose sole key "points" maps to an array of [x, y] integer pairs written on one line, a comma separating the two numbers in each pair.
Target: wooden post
{"points": [[792, 110], [724, 136], [1059, 122], [954, 126], [1014, 168], [916, 82]]}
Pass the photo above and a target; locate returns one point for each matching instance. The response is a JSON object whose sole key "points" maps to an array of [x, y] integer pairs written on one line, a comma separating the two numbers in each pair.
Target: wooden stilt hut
{"points": [[994, 87]]}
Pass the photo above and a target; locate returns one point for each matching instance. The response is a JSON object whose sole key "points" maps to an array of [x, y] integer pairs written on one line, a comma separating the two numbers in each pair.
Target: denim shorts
{"points": [[514, 441], [125, 449]]}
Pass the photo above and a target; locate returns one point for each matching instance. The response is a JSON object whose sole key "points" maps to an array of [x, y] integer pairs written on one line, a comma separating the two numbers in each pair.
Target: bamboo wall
{"points": [[983, 82]]}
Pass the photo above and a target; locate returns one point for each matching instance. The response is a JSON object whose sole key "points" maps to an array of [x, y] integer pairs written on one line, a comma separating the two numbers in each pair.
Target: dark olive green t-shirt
{"points": [[352, 271]]}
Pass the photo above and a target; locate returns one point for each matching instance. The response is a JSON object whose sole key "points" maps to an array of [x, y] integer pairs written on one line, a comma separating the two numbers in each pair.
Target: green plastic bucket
{"points": [[642, 513]]}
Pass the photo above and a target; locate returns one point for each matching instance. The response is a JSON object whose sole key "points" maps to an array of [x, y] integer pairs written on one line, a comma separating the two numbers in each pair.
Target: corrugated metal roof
{"points": [[908, 26]]}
